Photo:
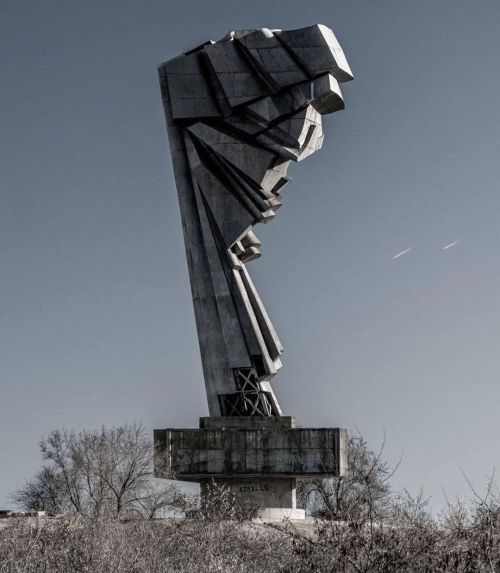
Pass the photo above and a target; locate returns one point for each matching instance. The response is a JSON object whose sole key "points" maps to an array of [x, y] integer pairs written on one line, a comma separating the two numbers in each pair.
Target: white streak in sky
{"points": [[403, 252], [446, 247]]}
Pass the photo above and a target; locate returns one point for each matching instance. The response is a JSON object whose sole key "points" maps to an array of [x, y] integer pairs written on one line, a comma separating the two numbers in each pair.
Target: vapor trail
{"points": [[403, 252], [445, 248]]}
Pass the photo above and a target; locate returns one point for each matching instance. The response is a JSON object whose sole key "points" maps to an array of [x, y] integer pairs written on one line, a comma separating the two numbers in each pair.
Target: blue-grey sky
{"points": [[96, 321]]}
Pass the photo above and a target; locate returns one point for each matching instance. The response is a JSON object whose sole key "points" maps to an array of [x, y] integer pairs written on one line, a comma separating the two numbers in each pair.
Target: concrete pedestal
{"points": [[259, 458], [275, 496]]}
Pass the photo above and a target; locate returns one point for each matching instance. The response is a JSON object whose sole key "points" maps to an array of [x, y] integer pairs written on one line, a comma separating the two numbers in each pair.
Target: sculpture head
{"points": [[249, 104]]}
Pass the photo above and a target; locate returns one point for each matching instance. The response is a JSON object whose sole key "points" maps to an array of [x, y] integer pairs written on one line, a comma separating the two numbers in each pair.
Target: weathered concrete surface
{"points": [[259, 492], [249, 448], [245, 423], [238, 111]]}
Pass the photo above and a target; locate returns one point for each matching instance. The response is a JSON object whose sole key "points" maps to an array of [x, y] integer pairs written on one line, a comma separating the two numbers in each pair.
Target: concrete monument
{"points": [[237, 112]]}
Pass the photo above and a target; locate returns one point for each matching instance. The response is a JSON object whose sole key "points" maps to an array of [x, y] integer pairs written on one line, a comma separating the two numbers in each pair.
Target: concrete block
{"points": [[252, 447]]}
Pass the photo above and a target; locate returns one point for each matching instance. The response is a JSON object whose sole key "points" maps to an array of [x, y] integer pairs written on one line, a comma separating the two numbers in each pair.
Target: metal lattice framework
{"points": [[249, 399]]}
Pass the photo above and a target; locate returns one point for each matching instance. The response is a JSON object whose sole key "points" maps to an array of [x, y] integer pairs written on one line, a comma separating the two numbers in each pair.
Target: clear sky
{"points": [[96, 321]]}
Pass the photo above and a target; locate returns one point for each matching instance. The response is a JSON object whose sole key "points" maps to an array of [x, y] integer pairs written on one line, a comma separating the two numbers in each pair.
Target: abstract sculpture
{"points": [[238, 111]]}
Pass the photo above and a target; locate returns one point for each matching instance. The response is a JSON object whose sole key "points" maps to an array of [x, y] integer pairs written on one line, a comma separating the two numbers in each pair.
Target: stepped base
{"points": [[279, 514], [259, 458]]}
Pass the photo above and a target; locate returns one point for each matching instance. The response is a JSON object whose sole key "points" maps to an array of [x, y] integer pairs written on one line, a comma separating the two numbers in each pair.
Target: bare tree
{"points": [[122, 462], [153, 498], [95, 472], [362, 494], [45, 492], [59, 450]]}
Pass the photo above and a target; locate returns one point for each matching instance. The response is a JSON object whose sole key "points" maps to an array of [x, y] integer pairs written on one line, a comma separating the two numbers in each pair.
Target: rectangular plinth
{"points": [[258, 491], [248, 448]]}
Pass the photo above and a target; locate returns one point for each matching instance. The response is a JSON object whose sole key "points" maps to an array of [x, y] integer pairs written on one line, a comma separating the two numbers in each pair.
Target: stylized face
{"points": [[249, 104]]}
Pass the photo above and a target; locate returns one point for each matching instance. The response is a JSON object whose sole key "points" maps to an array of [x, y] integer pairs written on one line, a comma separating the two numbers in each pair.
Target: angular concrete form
{"points": [[250, 448], [238, 111], [259, 458]]}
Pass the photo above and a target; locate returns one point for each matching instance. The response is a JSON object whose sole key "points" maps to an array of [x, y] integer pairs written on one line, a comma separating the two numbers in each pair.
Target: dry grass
{"points": [[102, 546], [416, 544]]}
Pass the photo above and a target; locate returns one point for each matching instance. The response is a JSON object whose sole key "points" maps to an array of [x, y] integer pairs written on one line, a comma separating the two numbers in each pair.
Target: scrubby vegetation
{"points": [[361, 525], [463, 541], [97, 472]]}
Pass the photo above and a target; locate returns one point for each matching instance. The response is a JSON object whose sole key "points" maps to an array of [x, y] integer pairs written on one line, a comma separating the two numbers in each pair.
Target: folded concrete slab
{"points": [[249, 447]]}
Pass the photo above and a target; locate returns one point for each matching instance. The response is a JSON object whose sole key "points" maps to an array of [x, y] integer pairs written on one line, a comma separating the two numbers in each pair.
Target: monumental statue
{"points": [[238, 111]]}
